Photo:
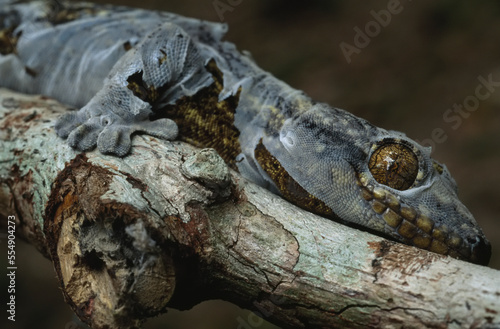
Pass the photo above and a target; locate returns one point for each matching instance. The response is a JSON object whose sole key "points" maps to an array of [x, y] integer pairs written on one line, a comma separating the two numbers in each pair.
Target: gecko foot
{"points": [[116, 139], [109, 132]]}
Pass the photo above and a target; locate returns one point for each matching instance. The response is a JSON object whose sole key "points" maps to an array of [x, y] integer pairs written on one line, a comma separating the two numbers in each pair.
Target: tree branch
{"points": [[170, 225]]}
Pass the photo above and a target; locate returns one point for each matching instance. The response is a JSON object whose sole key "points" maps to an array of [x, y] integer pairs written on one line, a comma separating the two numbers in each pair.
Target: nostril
{"points": [[480, 249], [473, 240]]}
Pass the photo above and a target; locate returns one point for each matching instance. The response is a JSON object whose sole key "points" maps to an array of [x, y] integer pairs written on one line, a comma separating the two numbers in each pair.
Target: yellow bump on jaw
{"points": [[378, 207], [438, 247], [379, 193], [408, 213], [422, 241], [391, 218], [454, 241], [439, 168], [425, 223], [407, 230], [366, 195], [392, 202], [440, 233], [363, 179]]}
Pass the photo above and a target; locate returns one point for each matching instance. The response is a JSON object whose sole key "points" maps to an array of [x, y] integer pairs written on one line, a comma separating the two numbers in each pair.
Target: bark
{"points": [[171, 225]]}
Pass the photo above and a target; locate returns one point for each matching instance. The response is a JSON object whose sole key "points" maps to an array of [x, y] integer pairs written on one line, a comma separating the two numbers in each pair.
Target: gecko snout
{"points": [[480, 250]]}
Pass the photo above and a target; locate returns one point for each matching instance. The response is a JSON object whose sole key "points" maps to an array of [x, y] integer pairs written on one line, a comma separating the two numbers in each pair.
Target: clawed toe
{"points": [[67, 123], [84, 137], [115, 140]]}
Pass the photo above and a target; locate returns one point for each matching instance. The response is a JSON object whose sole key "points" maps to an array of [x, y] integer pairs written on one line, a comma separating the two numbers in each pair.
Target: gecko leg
{"points": [[163, 67]]}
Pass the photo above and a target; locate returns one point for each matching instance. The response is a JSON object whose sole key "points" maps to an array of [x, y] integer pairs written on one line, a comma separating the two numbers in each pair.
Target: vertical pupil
{"points": [[394, 165]]}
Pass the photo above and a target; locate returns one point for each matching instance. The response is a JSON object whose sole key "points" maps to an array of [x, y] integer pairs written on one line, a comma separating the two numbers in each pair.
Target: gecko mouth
{"points": [[414, 228]]}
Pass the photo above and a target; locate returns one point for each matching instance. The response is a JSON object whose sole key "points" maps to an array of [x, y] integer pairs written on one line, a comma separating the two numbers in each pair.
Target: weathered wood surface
{"points": [[170, 225]]}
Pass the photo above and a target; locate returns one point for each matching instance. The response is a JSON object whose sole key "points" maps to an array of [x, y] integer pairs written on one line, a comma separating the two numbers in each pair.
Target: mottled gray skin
{"points": [[84, 63]]}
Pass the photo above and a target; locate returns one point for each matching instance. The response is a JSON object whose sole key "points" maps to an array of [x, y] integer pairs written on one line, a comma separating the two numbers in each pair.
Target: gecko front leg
{"points": [[164, 66]]}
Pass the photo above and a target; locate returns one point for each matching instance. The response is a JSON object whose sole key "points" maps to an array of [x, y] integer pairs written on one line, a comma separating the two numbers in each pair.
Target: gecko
{"points": [[132, 71]]}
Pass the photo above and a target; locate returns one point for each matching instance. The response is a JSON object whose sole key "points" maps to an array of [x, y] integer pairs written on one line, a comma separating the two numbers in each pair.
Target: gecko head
{"points": [[375, 179], [416, 199]]}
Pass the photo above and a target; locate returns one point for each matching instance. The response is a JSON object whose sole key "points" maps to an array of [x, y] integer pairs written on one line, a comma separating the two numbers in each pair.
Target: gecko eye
{"points": [[394, 165]]}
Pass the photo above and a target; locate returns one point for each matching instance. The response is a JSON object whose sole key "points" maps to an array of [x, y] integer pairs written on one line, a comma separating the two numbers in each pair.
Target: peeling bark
{"points": [[171, 225]]}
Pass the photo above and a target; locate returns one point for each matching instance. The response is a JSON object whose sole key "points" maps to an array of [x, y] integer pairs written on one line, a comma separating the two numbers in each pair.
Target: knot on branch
{"points": [[208, 168]]}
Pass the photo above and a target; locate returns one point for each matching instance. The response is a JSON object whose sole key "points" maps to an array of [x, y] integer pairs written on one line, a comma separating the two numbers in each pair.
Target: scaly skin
{"points": [[169, 76]]}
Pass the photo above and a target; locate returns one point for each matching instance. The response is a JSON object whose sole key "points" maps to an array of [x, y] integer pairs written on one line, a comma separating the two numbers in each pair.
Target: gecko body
{"points": [[132, 70]]}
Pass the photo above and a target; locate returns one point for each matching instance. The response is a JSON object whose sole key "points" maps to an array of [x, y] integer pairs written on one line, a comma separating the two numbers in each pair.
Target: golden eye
{"points": [[394, 165]]}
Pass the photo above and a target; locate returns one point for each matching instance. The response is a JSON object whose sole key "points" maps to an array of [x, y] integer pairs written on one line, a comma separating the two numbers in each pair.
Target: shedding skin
{"points": [[134, 71]]}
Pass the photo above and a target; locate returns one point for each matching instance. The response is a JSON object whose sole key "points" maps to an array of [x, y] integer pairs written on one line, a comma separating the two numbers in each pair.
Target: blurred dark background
{"points": [[427, 58]]}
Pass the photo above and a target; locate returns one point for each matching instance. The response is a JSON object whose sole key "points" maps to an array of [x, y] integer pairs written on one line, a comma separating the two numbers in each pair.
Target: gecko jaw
{"points": [[407, 224]]}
